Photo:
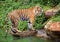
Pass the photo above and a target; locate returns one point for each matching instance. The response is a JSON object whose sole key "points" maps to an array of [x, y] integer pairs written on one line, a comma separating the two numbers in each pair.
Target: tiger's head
{"points": [[38, 10]]}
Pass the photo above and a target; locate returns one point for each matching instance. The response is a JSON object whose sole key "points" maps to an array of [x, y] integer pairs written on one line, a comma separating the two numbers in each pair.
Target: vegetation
{"points": [[7, 6]]}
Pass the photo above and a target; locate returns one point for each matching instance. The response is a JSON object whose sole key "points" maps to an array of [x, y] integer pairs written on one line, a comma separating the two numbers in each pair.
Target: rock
{"points": [[41, 33], [23, 33], [26, 33], [38, 33], [49, 13], [53, 29]]}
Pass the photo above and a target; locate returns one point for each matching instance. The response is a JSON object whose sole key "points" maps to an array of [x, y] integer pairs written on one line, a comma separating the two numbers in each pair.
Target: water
{"points": [[30, 39], [10, 38]]}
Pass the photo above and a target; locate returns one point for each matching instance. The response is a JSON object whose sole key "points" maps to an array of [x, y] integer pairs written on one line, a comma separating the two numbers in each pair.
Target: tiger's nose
{"points": [[41, 12]]}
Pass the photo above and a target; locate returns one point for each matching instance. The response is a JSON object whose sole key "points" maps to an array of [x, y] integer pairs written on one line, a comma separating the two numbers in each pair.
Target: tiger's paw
{"points": [[19, 31], [33, 29]]}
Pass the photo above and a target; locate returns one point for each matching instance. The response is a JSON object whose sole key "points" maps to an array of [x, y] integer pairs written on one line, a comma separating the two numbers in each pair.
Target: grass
{"points": [[8, 6]]}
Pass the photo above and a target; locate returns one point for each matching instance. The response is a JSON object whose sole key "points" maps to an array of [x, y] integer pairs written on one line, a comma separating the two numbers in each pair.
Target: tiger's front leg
{"points": [[30, 26], [31, 23]]}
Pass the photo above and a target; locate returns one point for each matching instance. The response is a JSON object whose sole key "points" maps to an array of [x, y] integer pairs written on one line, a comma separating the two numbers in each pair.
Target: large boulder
{"points": [[22, 33], [53, 29], [49, 13]]}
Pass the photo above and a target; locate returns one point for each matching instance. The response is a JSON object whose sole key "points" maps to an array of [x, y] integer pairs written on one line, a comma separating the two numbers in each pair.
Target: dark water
{"points": [[32, 39]]}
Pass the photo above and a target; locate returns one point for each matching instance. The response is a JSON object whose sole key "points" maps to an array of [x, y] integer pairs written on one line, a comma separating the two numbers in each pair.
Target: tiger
{"points": [[28, 14]]}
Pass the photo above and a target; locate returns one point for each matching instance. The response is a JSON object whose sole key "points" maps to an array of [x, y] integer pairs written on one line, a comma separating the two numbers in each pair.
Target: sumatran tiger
{"points": [[24, 14]]}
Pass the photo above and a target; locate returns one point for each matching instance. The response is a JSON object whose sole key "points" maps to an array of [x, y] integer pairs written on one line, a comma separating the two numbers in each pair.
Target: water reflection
{"points": [[10, 38], [30, 39]]}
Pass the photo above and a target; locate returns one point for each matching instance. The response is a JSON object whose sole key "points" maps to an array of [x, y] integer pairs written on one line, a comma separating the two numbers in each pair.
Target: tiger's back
{"points": [[23, 14]]}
